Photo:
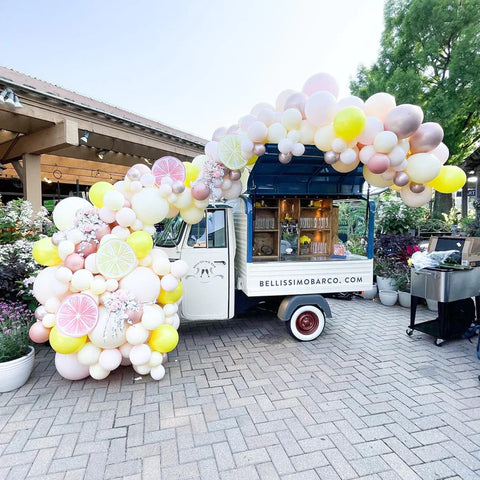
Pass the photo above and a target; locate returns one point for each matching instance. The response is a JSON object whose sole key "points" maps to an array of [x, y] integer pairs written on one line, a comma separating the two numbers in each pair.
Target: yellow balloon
{"points": [[170, 297], [45, 252], [163, 339], [349, 122], [449, 180], [192, 172], [65, 344], [141, 243], [252, 160], [97, 192]]}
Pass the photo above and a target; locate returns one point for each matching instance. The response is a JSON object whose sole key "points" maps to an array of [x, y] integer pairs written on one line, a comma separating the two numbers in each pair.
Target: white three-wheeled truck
{"points": [[277, 243]]}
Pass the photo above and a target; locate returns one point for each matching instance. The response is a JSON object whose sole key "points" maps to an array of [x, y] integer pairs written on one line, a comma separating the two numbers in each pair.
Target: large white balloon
{"points": [[149, 206], [65, 210], [423, 167], [110, 330]]}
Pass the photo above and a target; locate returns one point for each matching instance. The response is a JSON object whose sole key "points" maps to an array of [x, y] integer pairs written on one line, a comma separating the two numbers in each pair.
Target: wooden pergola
{"points": [[60, 136]]}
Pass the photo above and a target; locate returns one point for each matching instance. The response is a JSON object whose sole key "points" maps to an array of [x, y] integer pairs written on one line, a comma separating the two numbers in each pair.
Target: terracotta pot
{"points": [[15, 373]]}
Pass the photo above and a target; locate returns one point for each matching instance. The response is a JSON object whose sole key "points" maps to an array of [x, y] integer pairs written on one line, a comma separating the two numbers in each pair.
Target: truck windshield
{"points": [[169, 232]]}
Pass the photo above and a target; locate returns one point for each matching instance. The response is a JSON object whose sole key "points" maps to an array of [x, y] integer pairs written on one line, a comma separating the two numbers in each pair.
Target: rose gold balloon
{"points": [[331, 157], [259, 150], [285, 158], [401, 179], [427, 137], [417, 188], [404, 120], [235, 175], [200, 191]]}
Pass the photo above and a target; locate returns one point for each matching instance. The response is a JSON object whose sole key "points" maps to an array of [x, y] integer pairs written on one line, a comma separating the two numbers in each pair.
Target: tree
{"points": [[430, 56]]}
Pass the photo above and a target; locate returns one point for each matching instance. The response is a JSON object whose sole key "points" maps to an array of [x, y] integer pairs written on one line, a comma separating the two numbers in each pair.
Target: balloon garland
{"points": [[394, 145], [108, 298]]}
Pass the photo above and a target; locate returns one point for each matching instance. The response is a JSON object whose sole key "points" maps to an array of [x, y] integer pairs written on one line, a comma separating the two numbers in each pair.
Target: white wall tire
{"points": [[306, 323]]}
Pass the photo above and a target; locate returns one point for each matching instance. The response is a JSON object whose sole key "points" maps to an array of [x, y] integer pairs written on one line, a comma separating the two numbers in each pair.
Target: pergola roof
{"points": [[53, 120]]}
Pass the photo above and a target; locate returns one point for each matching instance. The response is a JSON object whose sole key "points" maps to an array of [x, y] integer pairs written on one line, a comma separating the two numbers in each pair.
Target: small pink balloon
{"points": [[140, 354], [378, 163], [134, 316], [86, 248], [401, 179], [107, 215], [110, 359], [235, 175], [102, 231], [74, 262], [200, 191], [259, 150], [38, 333]]}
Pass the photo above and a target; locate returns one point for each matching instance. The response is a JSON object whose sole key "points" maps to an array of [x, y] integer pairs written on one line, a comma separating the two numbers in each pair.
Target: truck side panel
{"points": [[315, 276], [241, 236]]}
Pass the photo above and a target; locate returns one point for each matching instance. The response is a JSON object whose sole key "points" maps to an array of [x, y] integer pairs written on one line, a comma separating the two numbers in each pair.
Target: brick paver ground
{"points": [[243, 400]]}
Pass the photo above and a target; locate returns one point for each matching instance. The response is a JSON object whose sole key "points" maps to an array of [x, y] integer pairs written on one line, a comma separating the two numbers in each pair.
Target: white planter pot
{"points": [[432, 305], [15, 373], [385, 283], [388, 297], [404, 299], [370, 294]]}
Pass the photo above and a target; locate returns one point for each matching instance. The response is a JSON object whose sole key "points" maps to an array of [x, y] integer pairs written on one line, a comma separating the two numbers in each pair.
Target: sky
{"points": [[195, 65]]}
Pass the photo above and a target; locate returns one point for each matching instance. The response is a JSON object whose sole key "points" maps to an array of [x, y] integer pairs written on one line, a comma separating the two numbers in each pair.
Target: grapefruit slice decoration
{"points": [[77, 315], [168, 167]]}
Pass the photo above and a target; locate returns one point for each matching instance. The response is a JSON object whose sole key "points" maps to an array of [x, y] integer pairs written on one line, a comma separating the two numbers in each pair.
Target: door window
{"points": [[209, 232]]}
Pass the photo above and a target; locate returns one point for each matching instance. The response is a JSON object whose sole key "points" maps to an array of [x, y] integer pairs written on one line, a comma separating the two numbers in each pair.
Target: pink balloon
{"points": [[427, 137], [102, 231], [319, 82], [140, 354], [38, 333], [373, 126], [84, 249], [320, 108], [200, 191], [74, 262], [404, 120], [107, 215], [46, 285], [378, 163], [110, 359], [69, 367], [142, 168], [441, 152], [296, 100]]}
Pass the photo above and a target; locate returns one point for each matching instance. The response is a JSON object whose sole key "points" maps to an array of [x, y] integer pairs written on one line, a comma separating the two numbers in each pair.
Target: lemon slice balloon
{"points": [[230, 152], [115, 259]]}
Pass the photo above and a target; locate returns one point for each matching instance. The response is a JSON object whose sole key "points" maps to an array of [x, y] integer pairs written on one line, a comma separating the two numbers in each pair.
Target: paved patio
{"points": [[243, 400]]}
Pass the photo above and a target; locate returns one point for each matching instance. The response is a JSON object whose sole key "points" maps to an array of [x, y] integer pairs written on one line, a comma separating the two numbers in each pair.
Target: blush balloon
{"points": [[378, 163], [38, 333], [427, 137], [200, 191], [74, 262]]}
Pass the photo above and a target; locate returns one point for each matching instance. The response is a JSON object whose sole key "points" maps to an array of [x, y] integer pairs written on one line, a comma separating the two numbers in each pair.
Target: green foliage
{"points": [[430, 57], [15, 322], [351, 218], [395, 217]]}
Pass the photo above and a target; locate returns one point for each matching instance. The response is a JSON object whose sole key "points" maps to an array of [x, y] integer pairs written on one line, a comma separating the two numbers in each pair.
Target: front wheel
{"points": [[306, 323]]}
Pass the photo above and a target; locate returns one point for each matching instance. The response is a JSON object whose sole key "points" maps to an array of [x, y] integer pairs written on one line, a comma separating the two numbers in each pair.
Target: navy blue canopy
{"points": [[307, 175]]}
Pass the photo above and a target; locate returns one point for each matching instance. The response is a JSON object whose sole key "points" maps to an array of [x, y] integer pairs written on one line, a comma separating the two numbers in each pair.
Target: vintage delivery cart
{"points": [[275, 243]]}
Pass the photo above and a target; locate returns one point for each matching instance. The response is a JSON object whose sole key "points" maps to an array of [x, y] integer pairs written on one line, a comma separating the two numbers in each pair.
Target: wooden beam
{"points": [[47, 140]]}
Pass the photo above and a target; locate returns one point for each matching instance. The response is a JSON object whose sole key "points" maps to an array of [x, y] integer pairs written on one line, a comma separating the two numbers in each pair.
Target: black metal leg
{"points": [[477, 308], [413, 310]]}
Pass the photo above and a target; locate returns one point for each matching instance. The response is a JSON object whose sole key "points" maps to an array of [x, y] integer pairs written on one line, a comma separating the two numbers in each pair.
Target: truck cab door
{"points": [[208, 285]]}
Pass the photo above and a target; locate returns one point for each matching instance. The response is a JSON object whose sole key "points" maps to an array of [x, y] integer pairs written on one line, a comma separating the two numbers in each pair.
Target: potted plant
{"points": [[16, 352], [403, 282], [305, 244]]}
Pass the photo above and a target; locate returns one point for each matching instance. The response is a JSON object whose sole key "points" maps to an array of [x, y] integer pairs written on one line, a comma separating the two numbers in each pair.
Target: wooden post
{"points": [[32, 180]]}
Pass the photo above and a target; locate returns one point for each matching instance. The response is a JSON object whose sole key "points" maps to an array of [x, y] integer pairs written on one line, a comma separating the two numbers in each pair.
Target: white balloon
{"points": [[339, 145], [366, 153], [65, 210], [149, 206], [385, 142], [423, 167], [397, 156], [373, 126], [348, 156], [153, 316], [276, 132], [113, 200]]}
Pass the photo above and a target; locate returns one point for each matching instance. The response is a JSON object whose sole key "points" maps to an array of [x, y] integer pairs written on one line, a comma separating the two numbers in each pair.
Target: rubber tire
{"points": [[306, 336]]}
